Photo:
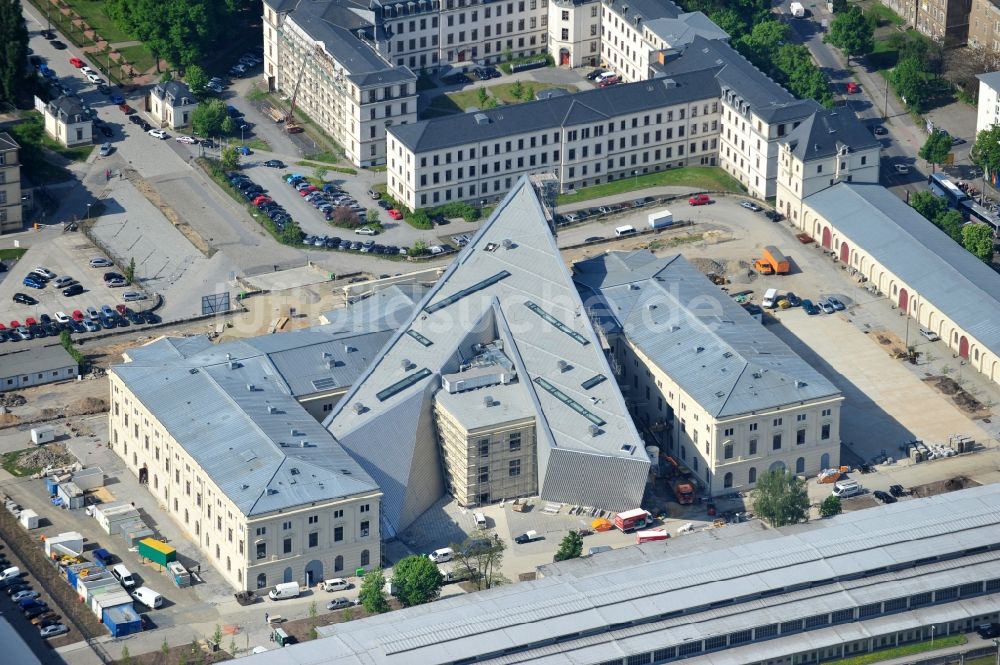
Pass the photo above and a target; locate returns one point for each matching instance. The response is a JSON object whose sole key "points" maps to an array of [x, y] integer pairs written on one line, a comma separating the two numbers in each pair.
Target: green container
{"points": [[157, 552]]}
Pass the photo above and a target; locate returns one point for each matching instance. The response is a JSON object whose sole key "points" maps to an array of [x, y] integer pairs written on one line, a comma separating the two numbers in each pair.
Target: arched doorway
{"points": [[845, 252], [800, 465], [314, 572], [338, 564], [963, 347], [261, 581], [777, 466], [287, 576], [904, 299], [727, 480], [826, 238], [564, 57], [824, 461]]}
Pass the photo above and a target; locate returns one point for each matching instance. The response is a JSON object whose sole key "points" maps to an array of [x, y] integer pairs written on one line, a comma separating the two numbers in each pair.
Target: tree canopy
{"points": [[852, 32], [208, 118], [571, 547], [936, 148], [780, 498], [372, 592], [831, 506], [13, 50], [978, 240], [416, 580], [480, 559], [196, 79], [909, 80], [985, 151], [928, 205]]}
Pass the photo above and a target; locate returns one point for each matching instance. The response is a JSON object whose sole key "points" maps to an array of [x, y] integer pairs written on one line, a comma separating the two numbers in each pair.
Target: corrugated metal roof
{"points": [[517, 240], [728, 362], [635, 586], [941, 271], [34, 360]]}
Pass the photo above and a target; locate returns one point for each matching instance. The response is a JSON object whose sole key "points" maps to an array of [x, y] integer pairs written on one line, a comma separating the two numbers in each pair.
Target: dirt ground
{"points": [[958, 395], [57, 400], [175, 656], [943, 486]]}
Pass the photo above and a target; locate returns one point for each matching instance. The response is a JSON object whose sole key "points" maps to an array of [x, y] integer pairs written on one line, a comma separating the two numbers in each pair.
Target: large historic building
{"points": [[11, 209]]}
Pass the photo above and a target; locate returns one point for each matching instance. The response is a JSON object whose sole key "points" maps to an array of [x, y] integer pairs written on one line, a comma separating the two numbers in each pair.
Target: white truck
{"points": [[660, 219], [797, 10]]}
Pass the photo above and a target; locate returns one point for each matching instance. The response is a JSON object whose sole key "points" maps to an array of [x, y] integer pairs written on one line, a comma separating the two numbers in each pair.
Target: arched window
{"points": [[239, 576], [800, 465], [338, 564], [753, 475], [365, 558], [727, 480], [976, 355], [229, 564], [261, 581]]}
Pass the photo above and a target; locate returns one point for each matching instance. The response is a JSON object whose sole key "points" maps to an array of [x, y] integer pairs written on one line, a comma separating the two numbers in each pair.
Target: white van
{"points": [[626, 230], [123, 575], [480, 520], [132, 296], [284, 590], [10, 573], [770, 299], [336, 584], [148, 597], [442, 555], [846, 488]]}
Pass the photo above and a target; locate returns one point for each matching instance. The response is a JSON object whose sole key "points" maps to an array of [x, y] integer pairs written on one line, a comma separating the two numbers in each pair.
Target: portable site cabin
{"points": [[108, 599], [134, 533], [69, 543], [28, 519], [179, 574], [77, 570], [88, 479], [71, 495], [111, 516], [157, 552], [88, 587], [122, 620]]}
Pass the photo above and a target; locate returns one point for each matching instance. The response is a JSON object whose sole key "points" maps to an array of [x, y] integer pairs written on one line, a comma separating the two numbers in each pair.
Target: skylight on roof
{"points": [[569, 401], [420, 338], [593, 381], [556, 323], [402, 384], [455, 297], [325, 383]]}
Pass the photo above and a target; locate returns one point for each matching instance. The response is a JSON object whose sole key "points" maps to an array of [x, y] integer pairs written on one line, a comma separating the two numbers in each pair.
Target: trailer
{"points": [[179, 574], [69, 543], [630, 520], [157, 552], [650, 536], [70, 495], [660, 219], [89, 479], [40, 435], [28, 519], [121, 620]]}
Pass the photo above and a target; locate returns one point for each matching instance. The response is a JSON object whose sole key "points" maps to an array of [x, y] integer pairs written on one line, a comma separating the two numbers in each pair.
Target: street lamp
{"points": [[996, 643], [636, 174], [932, 638], [88, 210]]}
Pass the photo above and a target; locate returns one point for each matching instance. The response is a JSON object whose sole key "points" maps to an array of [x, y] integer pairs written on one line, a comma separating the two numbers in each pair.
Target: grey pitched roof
{"points": [[334, 24], [922, 256], [734, 72], [173, 92], [728, 362], [638, 599], [385, 309], [991, 79], [565, 111], [497, 290], [683, 29], [35, 359], [825, 132], [67, 108], [7, 142], [647, 9]]}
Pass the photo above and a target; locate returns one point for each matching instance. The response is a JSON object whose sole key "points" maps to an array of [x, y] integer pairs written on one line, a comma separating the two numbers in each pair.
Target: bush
{"points": [[419, 220], [345, 218]]}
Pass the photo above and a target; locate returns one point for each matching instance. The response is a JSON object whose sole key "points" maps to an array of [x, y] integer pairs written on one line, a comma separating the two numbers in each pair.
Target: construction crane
{"points": [[290, 125]]}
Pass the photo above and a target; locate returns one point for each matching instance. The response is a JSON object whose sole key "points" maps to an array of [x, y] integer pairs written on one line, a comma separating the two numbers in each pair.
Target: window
{"points": [[776, 442], [753, 427], [824, 431], [338, 564], [313, 539], [286, 526], [514, 440], [261, 581], [565, 15], [338, 534], [484, 474], [365, 508], [728, 431], [261, 530], [286, 546], [727, 480], [727, 451], [826, 412], [261, 550], [777, 422], [800, 465], [800, 418], [514, 468], [800, 437], [753, 446], [752, 476], [365, 558], [364, 529], [484, 448], [314, 519]]}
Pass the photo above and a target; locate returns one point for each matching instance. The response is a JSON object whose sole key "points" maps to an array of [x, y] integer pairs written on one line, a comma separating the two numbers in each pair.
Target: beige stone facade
{"points": [[11, 209], [66, 122], [945, 21]]}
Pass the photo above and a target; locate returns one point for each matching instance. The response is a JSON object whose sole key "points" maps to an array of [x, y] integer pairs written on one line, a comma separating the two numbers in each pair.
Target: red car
{"points": [[699, 200], [261, 199], [395, 214], [3, 327], [308, 190], [852, 88], [609, 80], [15, 324], [30, 321], [126, 109], [76, 62], [77, 315]]}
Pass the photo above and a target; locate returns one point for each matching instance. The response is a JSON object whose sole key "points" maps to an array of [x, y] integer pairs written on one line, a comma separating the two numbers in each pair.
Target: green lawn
{"points": [[30, 135], [902, 651], [9, 462], [502, 91], [882, 14], [12, 253], [708, 178], [459, 102], [140, 57], [92, 11], [257, 144]]}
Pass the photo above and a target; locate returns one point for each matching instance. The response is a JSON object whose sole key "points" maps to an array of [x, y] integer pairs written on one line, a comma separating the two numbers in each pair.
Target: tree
{"points": [[853, 33], [320, 172], [936, 148], [130, 271], [780, 498], [951, 222], [978, 239], [372, 593], [839, 6], [228, 125], [419, 248], [729, 20], [479, 559], [909, 80], [13, 50], [517, 89], [416, 580], [126, 656], [196, 79], [985, 151], [230, 158], [928, 205], [482, 95], [371, 216], [571, 547], [208, 117], [344, 217], [831, 506], [529, 93], [763, 42], [166, 77]]}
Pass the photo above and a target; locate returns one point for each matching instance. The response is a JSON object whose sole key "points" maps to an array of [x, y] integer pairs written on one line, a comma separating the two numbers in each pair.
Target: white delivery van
{"points": [[284, 590], [123, 575], [336, 584], [480, 520], [770, 299], [846, 488], [148, 597], [10, 573], [626, 230], [442, 555]]}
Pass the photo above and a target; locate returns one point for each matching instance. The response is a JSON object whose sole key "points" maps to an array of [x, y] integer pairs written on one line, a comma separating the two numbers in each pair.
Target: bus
{"points": [[941, 186], [978, 214]]}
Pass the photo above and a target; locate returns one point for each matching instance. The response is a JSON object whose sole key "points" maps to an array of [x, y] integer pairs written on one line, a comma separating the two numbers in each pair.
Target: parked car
{"points": [[106, 150], [33, 283], [837, 305], [884, 497], [24, 299], [879, 130], [22, 595], [375, 195], [750, 205], [929, 335], [395, 214], [339, 603], [76, 62], [73, 290], [184, 138], [58, 45], [824, 304], [54, 630], [809, 307], [699, 200], [157, 134], [274, 164], [901, 169], [852, 88], [595, 73]]}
